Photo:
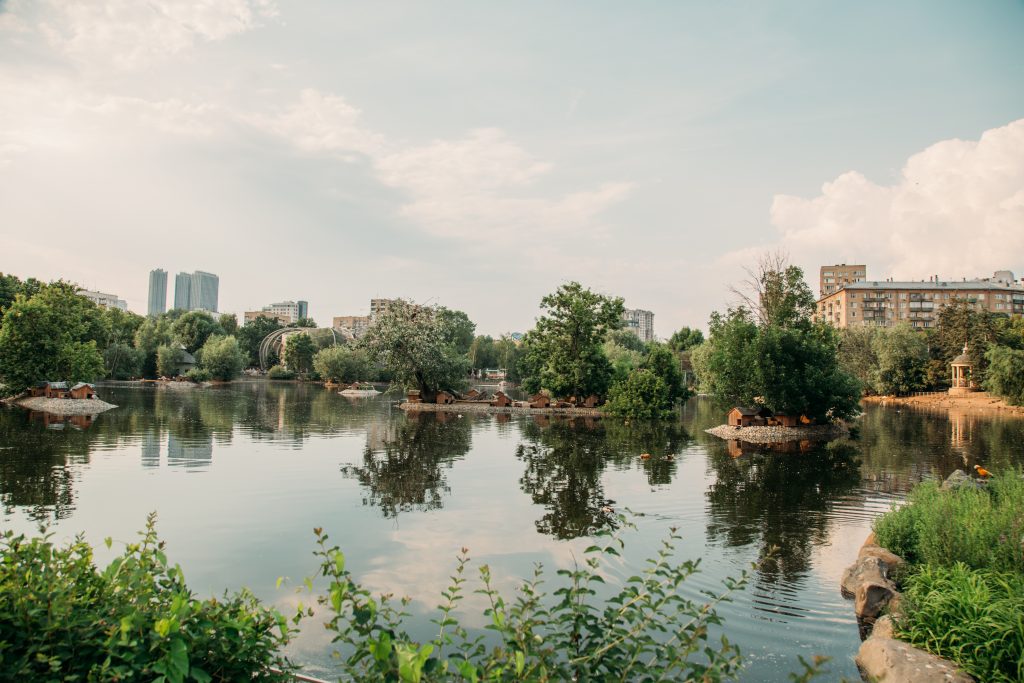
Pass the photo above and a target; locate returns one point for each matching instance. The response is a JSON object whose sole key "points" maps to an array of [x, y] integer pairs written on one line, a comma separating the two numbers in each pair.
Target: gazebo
{"points": [[962, 379]]}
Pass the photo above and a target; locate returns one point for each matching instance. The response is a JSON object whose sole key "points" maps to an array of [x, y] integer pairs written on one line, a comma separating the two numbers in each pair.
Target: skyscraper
{"points": [[157, 291], [183, 291], [303, 309], [205, 288]]}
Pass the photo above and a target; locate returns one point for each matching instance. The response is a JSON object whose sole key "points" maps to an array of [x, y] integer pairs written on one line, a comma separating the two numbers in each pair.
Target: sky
{"points": [[479, 155]]}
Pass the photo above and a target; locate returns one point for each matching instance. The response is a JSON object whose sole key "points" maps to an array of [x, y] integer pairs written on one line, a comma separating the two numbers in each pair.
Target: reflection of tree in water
{"points": [[565, 460], [35, 473], [782, 501], [404, 470]]}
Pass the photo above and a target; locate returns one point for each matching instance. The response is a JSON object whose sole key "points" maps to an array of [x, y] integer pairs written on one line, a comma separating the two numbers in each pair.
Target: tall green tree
{"points": [[482, 353], [151, 335], [168, 360], [902, 355], [627, 340], [222, 357], [228, 323], [776, 293], [1005, 376], [567, 344], [458, 328], [685, 338], [858, 355], [418, 346], [54, 335], [343, 364], [252, 333], [959, 323], [194, 328], [298, 352], [664, 364]]}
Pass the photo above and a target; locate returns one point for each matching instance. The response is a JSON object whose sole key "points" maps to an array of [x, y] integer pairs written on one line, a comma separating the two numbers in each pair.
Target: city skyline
{"points": [[481, 156]]}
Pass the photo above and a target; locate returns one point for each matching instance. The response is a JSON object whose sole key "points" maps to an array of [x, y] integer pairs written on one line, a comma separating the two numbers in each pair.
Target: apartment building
{"points": [[833, 278], [356, 324], [285, 312], [104, 300], [639, 322], [157, 304], [889, 302]]}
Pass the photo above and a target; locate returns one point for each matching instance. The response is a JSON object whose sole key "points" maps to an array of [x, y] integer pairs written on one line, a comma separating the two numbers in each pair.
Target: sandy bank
{"points": [[482, 407], [778, 434], [66, 406], [979, 402]]}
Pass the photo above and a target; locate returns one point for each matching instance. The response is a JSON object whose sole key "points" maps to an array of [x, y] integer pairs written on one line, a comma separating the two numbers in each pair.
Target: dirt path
{"points": [[978, 402]]}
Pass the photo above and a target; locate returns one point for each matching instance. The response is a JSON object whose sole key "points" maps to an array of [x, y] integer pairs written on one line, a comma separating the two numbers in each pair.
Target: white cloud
{"points": [[320, 123], [956, 210], [128, 33]]}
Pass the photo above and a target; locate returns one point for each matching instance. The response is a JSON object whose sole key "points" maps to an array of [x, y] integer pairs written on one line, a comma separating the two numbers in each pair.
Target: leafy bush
{"points": [[974, 617], [981, 528], [341, 364], [136, 620], [280, 372], [222, 358], [168, 360], [647, 630], [198, 375], [1005, 376], [642, 395]]}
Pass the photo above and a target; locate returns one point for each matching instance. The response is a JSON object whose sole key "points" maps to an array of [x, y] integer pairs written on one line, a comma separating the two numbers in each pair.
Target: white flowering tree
{"points": [[414, 343]]}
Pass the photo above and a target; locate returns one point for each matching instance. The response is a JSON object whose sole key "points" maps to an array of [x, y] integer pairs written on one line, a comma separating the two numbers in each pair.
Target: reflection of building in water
{"points": [[196, 451], [960, 433], [58, 422], [151, 442]]}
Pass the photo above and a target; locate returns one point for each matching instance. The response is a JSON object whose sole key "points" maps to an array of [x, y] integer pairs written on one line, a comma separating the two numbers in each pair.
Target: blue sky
{"points": [[479, 155]]}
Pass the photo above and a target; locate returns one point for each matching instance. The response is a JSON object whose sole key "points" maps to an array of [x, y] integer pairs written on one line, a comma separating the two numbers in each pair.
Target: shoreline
{"points": [[773, 435], [65, 406], [483, 407], [979, 402]]}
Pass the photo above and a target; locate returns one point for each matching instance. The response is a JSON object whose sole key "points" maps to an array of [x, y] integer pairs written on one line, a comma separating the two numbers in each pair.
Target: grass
{"points": [[964, 587]]}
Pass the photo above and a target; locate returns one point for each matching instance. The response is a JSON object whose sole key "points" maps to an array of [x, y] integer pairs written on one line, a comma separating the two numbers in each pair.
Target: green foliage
{"points": [[1005, 376], [857, 353], [647, 629], [199, 375], [168, 360], [343, 364], [627, 340], [252, 333], [458, 329], [623, 360], [135, 620], [417, 345], [641, 395], [298, 352], [685, 339], [193, 329], [566, 348], [974, 617], [11, 287], [54, 335], [122, 361], [902, 357], [980, 528], [665, 365], [508, 355], [483, 353], [222, 358], [280, 372], [959, 322], [304, 322], [151, 335], [228, 323]]}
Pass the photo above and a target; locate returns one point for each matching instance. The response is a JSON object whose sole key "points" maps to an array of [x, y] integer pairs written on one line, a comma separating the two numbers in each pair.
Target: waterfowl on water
{"points": [[670, 457], [982, 472], [645, 456]]}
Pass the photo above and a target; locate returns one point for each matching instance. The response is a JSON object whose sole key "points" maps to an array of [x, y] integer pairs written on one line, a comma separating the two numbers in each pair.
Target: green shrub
{"points": [[975, 617], [63, 619], [642, 395], [198, 375], [222, 358], [981, 528], [280, 372]]}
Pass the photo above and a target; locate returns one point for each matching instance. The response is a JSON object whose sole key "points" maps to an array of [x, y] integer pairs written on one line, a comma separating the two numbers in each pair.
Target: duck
{"points": [[982, 472], [670, 457], [645, 456]]}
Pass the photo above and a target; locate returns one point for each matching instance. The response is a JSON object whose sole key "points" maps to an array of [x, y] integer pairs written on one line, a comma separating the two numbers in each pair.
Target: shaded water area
{"points": [[241, 474]]}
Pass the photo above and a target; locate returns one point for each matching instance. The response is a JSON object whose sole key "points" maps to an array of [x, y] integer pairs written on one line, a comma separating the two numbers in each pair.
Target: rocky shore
{"points": [[767, 435], [66, 406], [484, 407]]}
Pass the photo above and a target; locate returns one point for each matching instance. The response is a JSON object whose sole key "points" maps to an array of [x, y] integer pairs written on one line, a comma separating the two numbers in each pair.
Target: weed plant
{"points": [[974, 617], [982, 528], [61, 619]]}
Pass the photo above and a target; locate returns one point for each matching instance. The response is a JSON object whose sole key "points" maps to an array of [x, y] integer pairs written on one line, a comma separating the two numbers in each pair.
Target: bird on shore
{"points": [[645, 456], [982, 472]]}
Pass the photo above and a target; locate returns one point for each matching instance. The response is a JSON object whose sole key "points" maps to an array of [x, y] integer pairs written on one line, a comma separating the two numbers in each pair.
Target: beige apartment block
{"points": [[356, 324], [888, 303], [833, 278]]}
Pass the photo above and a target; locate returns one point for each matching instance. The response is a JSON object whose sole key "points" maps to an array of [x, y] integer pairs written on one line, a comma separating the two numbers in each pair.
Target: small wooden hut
{"points": [[783, 420], [591, 401], [413, 396], [57, 390], [540, 401], [83, 390], [741, 416], [444, 398], [501, 400]]}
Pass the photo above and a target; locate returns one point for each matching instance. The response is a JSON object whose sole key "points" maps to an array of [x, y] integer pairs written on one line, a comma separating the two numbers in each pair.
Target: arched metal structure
{"points": [[273, 341]]}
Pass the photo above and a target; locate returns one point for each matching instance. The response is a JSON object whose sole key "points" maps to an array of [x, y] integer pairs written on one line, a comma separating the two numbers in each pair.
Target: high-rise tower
{"points": [[157, 292]]}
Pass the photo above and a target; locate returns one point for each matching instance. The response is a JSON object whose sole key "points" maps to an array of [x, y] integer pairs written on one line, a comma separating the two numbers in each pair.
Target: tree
{"points": [[508, 354], [222, 357], [857, 353], [458, 328], [685, 339], [298, 352], [151, 335], [53, 335], [342, 364], [252, 333], [959, 323], [194, 328], [902, 361], [168, 360], [11, 287], [229, 323], [122, 361], [622, 359], [642, 395], [665, 365], [776, 293], [304, 322], [1005, 375], [482, 353], [567, 344], [627, 340], [417, 344]]}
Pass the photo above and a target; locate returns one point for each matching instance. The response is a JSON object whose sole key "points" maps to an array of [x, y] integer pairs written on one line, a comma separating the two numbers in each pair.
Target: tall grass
{"points": [[983, 529], [974, 617]]}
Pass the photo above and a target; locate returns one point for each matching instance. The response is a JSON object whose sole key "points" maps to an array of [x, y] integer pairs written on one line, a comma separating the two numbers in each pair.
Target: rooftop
{"points": [[972, 285]]}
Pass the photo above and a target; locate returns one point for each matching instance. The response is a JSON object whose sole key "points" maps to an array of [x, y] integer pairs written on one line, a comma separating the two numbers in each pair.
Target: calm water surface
{"points": [[240, 475]]}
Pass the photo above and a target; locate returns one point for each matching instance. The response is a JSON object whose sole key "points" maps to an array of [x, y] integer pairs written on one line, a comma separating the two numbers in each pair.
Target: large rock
{"points": [[872, 596], [864, 569], [959, 479], [883, 628], [884, 660], [893, 562]]}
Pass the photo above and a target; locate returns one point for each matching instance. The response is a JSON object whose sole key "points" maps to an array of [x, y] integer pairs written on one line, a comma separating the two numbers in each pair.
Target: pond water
{"points": [[240, 475]]}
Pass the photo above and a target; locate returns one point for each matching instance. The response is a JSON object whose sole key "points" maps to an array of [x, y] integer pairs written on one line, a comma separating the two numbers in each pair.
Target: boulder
{"points": [[891, 560], [883, 628], [889, 661], [872, 596], [864, 569], [958, 480]]}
